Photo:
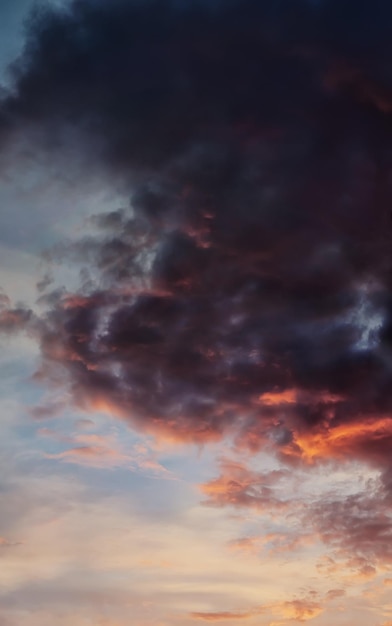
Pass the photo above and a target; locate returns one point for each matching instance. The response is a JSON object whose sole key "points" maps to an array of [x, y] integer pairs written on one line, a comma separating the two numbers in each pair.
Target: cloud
{"points": [[14, 320], [93, 456], [246, 291], [274, 543], [354, 522], [333, 594], [301, 610], [105, 451], [221, 616], [239, 486], [357, 528], [368, 440]]}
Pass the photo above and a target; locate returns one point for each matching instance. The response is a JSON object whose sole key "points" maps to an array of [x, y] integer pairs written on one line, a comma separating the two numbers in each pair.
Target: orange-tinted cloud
{"points": [[301, 610], [298, 396], [273, 543], [366, 439], [103, 451], [247, 545], [333, 594], [238, 486], [92, 456], [222, 616], [358, 528]]}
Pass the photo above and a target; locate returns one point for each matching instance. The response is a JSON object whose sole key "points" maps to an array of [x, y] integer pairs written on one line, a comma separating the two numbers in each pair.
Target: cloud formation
{"points": [[358, 528], [246, 291], [299, 609], [238, 486], [222, 616]]}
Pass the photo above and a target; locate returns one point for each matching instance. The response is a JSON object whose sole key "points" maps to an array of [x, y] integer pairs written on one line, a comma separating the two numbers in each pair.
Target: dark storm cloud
{"points": [[248, 288]]}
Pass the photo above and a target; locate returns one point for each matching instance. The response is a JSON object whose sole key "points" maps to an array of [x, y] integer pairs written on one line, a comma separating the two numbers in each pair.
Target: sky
{"points": [[195, 313]]}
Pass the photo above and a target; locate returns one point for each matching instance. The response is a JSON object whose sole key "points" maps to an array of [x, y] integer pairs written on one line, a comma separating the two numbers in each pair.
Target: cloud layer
{"points": [[246, 291]]}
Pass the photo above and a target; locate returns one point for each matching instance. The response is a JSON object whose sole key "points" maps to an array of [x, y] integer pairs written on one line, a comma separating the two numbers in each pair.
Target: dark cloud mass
{"points": [[248, 288]]}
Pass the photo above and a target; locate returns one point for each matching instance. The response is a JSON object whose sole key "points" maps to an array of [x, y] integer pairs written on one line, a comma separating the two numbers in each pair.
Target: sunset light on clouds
{"points": [[196, 313]]}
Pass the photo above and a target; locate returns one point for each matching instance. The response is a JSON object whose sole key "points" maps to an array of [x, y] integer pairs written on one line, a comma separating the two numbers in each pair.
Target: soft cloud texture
{"points": [[247, 291], [236, 305]]}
